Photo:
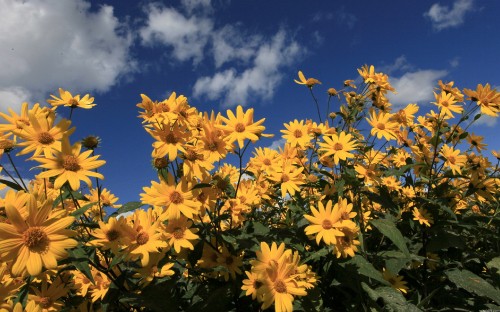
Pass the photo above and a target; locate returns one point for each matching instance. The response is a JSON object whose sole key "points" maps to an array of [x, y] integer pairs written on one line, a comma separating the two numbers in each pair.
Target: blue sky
{"points": [[221, 53]]}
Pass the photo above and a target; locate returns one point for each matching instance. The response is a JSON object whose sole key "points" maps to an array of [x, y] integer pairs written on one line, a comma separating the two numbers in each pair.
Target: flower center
{"points": [[326, 224], [381, 126], [160, 163], [35, 239], [6, 145], [451, 159], [267, 162], [212, 146], [202, 197], [257, 284], [445, 103], [112, 235], [345, 215], [73, 102], [280, 286], [70, 163], [176, 198], [297, 133], [45, 302], [142, 238], [45, 138], [285, 178], [239, 127], [178, 233], [338, 146], [170, 138], [229, 260]]}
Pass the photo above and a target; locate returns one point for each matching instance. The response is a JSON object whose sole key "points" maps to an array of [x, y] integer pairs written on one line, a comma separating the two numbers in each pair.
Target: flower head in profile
{"points": [[488, 99], [422, 216], [37, 241], [309, 82], [241, 126], [67, 99], [395, 280], [70, 165]]}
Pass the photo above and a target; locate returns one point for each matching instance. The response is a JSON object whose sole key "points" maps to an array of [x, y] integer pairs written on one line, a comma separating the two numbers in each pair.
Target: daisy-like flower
{"points": [[145, 236], [67, 99], [47, 297], [325, 223], [488, 99], [476, 141], [382, 126], [18, 121], [177, 199], [241, 126], [266, 256], [396, 281], [37, 241], [169, 140], [179, 234], [454, 160], [69, 165], [280, 287], [422, 216], [230, 262], [148, 273], [41, 135], [447, 104], [105, 197], [368, 73], [253, 285], [297, 133], [346, 245], [309, 82], [289, 178], [112, 234], [339, 146]]}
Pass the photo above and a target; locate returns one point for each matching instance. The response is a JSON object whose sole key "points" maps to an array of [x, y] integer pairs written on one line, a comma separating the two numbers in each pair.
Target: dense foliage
{"points": [[367, 208]]}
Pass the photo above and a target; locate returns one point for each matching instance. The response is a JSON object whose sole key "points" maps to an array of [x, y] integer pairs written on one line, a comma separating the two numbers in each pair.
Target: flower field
{"points": [[367, 208]]}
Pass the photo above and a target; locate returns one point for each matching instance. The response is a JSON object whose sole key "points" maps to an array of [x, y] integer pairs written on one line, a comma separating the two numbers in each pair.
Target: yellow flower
{"points": [[179, 233], [37, 241], [266, 256], [447, 104], [177, 199], [395, 280], [69, 165], [422, 216], [66, 99], [111, 235], [382, 126], [297, 133], [454, 160], [230, 262], [241, 126], [169, 140], [310, 82], [346, 245], [325, 223], [47, 297], [253, 285], [42, 136], [487, 99], [339, 146], [289, 178]]}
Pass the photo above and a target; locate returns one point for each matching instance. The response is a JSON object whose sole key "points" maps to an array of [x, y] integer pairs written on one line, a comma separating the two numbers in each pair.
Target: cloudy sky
{"points": [[221, 53]]}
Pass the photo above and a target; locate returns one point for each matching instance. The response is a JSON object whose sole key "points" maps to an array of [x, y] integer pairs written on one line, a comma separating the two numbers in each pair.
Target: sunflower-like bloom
{"points": [[230, 262], [170, 140], [289, 177], [17, 122], [268, 255], [112, 234], [339, 146], [47, 298], [325, 223], [395, 280], [346, 245], [241, 126], [422, 216], [41, 135], [145, 236], [179, 233], [297, 133], [69, 165], [309, 82], [176, 199], [37, 241], [67, 99], [447, 104], [106, 198], [454, 160], [382, 126], [486, 98]]}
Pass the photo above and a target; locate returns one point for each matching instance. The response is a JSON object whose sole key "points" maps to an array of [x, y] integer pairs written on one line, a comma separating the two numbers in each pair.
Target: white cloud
{"points": [[48, 44], [192, 5], [415, 87], [13, 97], [257, 81], [229, 44], [277, 144], [445, 17], [486, 120], [187, 36]]}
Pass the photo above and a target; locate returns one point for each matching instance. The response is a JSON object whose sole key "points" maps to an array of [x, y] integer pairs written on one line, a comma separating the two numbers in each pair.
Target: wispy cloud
{"points": [[486, 120], [89, 52], [443, 17]]}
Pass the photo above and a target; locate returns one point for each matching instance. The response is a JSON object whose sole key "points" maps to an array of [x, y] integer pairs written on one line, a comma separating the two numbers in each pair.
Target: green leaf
{"points": [[12, 185], [473, 284], [260, 229], [77, 213], [367, 269], [201, 185], [389, 229], [393, 299], [130, 206], [81, 262]]}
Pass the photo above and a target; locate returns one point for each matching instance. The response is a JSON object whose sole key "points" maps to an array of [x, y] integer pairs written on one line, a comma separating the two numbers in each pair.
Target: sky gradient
{"points": [[221, 53]]}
